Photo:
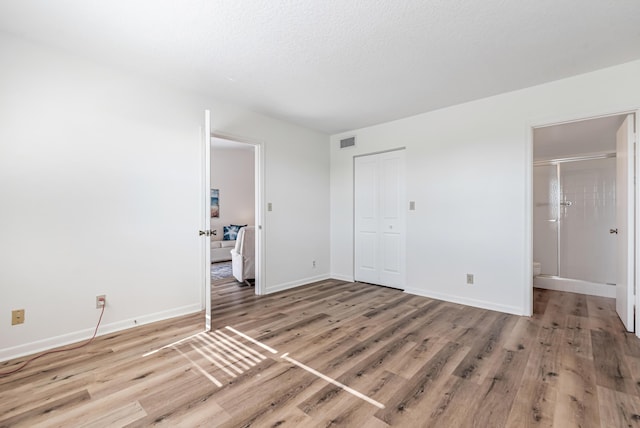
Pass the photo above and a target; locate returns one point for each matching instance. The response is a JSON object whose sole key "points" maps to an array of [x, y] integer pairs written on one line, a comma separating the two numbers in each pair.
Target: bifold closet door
{"points": [[380, 220]]}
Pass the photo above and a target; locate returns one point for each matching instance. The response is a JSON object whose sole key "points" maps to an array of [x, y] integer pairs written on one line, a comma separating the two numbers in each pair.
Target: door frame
{"points": [[259, 214], [205, 212], [528, 168]]}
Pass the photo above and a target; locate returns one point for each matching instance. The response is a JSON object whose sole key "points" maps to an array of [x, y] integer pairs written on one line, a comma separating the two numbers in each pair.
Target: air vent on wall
{"points": [[347, 142]]}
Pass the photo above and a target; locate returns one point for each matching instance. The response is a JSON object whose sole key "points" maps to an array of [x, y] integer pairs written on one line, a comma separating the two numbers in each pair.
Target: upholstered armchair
{"points": [[243, 256]]}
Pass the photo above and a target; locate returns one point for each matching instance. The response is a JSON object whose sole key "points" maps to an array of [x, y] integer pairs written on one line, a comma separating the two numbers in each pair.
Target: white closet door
{"points": [[367, 219], [380, 233]]}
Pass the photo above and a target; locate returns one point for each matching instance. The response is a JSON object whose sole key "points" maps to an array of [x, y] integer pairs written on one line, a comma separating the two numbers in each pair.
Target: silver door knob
{"points": [[613, 231], [203, 232]]}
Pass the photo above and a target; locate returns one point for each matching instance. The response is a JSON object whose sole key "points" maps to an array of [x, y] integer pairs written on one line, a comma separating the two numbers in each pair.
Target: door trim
{"points": [[397, 149], [205, 212]]}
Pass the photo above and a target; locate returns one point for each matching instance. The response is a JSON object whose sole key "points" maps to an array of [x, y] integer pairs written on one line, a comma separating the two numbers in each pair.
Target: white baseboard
{"points": [[294, 284], [78, 336], [483, 304], [341, 277], [575, 286]]}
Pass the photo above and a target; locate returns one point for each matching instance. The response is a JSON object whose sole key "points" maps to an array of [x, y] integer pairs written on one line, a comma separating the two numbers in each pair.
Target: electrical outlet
{"points": [[17, 317], [470, 278], [314, 264], [101, 301]]}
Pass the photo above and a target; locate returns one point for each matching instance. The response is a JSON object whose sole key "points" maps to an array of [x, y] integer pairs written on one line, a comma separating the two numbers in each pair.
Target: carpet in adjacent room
{"points": [[221, 270]]}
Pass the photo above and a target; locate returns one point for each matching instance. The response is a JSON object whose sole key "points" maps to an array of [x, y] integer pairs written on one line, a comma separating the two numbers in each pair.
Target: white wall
{"points": [[233, 174], [469, 171], [100, 183]]}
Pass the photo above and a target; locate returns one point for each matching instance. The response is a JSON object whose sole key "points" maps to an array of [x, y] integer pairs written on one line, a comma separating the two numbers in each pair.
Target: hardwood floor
{"points": [[342, 354]]}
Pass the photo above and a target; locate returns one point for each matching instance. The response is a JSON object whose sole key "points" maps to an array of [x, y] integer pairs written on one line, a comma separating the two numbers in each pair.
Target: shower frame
{"points": [[557, 162]]}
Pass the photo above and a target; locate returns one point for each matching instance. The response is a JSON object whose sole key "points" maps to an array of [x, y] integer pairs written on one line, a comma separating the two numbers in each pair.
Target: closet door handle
{"points": [[613, 231]]}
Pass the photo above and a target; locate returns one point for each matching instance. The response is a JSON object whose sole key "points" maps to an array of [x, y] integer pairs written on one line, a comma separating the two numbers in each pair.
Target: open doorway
{"points": [[235, 215], [583, 209]]}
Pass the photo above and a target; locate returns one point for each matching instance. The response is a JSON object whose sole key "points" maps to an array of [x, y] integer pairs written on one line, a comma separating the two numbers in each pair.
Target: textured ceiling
{"points": [[336, 65]]}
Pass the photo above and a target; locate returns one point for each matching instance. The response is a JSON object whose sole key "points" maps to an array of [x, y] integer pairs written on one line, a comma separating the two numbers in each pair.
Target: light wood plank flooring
{"points": [[343, 354]]}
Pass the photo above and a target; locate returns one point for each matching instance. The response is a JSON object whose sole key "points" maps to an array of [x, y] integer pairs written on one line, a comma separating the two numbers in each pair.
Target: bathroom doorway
{"points": [[577, 210]]}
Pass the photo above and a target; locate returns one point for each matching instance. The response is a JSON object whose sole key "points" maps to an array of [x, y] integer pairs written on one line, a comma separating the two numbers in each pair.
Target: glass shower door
{"points": [[587, 212], [546, 192]]}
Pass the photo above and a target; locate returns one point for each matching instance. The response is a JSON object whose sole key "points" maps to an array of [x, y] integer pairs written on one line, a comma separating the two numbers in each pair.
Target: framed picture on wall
{"points": [[215, 203]]}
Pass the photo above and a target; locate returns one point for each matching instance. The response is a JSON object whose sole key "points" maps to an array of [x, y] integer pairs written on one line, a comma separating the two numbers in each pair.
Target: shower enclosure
{"points": [[574, 223]]}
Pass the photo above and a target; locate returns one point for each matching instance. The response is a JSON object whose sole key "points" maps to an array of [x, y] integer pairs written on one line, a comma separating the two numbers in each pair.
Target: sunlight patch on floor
{"points": [[227, 356]]}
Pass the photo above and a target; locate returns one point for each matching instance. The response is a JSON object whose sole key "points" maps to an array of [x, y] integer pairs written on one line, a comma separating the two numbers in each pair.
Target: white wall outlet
{"points": [[314, 264], [470, 278], [17, 316]]}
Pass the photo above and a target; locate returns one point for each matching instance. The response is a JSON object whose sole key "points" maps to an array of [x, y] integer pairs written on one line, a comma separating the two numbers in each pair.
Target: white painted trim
{"points": [[527, 302], [543, 122], [575, 286], [379, 152], [206, 220], [637, 222], [483, 304], [261, 265], [298, 283], [81, 335], [339, 277]]}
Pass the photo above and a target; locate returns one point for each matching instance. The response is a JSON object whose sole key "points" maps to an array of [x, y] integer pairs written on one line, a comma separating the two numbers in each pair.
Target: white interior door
{"points": [[380, 230], [625, 202], [366, 219], [206, 219]]}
